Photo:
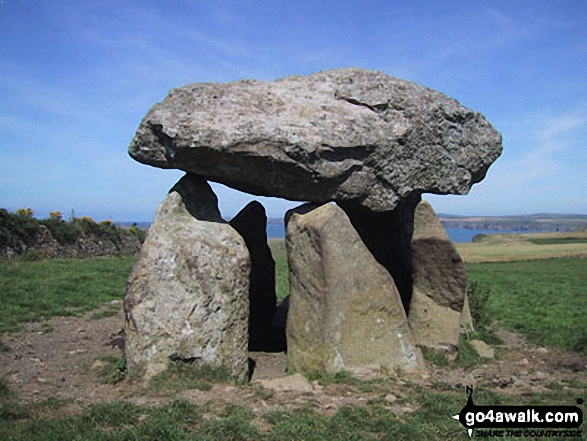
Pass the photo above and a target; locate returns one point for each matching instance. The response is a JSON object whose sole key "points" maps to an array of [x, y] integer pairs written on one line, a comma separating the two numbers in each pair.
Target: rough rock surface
{"points": [[439, 283], [482, 348], [388, 236], [251, 224], [294, 383], [344, 309], [348, 135], [187, 297]]}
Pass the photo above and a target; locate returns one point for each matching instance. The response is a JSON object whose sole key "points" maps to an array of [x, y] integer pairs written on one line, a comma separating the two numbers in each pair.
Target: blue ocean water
{"points": [[460, 235], [457, 235]]}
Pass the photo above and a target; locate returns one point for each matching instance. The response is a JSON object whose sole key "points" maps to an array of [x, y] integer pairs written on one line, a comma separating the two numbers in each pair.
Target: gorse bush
{"points": [[14, 227], [65, 233]]}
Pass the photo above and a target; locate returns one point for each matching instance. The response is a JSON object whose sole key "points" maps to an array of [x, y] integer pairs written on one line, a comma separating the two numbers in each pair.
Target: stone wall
{"points": [[42, 245]]}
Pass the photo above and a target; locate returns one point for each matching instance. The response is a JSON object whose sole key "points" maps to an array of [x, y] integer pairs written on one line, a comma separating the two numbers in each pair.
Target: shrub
{"points": [[65, 233], [21, 227], [25, 212], [91, 228], [17, 227]]}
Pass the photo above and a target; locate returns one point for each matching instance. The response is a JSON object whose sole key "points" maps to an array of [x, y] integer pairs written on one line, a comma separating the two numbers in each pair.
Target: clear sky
{"points": [[76, 78]]}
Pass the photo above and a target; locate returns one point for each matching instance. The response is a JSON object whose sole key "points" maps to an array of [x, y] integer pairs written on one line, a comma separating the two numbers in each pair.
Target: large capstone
{"points": [[187, 297], [439, 283], [345, 312], [358, 137]]}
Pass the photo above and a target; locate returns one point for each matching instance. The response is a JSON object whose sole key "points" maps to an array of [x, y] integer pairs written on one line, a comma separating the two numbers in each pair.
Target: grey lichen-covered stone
{"points": [[348, 135], [439, 278], [187, 296], [345, 312]]}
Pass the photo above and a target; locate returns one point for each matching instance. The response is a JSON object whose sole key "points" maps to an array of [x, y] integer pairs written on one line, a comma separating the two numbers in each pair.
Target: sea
{"points": [[457, 235]]}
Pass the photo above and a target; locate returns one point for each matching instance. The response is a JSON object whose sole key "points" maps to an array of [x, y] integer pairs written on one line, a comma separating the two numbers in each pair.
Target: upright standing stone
{"points": [[439, 282], [187, 296], [251, 224], [388, 236], [345, 312]]}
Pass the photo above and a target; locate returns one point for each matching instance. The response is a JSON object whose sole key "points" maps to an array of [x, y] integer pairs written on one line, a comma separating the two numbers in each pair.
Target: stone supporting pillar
{"points": [[187, 297], [345, 312], [439, 283], [388, 237]]}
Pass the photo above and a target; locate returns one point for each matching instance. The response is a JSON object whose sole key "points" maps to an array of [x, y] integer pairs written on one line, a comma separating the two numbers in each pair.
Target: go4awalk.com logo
{"points": [[518, 421]]}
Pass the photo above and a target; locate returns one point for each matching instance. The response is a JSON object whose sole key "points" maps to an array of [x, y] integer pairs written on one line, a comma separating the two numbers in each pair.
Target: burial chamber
{"points": [[361, 148]]}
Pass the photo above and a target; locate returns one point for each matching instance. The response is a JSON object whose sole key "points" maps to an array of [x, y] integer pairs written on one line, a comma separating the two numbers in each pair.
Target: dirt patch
{"points": [[62, 364], [520, 368], [55, 359]]}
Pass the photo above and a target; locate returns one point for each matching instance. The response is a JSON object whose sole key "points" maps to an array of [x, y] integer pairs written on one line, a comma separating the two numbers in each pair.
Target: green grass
{"points": [[116, 420], [434, 357], [181, 376], [105, 314], [114, 370], [281, 268], [36, 291], [467, 356], [543, 299], [557, 240], [429, 419]]}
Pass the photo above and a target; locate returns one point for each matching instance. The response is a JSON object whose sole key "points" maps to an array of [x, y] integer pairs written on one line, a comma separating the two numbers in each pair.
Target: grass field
{"points": [[542, 299], [545, 300], [281, 278], [38, 290], [508, 247]]}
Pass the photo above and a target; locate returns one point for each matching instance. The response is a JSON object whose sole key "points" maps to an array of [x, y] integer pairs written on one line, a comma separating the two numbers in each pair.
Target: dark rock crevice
{"points": [[377, 108]]}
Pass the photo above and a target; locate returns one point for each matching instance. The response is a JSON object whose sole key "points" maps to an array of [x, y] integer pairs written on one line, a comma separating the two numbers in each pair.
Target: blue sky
{"points": [[76, 78]]}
